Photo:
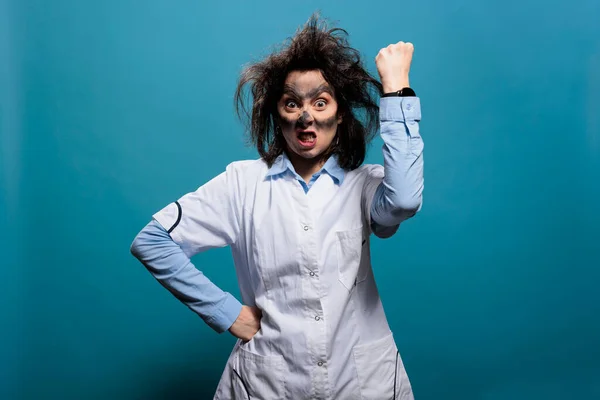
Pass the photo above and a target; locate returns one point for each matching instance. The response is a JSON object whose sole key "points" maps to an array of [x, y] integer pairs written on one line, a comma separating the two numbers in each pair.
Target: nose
{"points": [[305, 119]]}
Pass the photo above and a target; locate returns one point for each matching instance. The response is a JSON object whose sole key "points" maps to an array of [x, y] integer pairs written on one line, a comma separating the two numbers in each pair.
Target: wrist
{"points": [[396, 84], [395, 88]]}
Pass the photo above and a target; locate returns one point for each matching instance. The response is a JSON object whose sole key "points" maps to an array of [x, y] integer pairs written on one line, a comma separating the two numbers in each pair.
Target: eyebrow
{"points": [[291, 90]]}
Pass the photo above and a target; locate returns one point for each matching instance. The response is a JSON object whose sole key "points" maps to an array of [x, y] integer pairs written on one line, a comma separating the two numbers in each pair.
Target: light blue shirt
{"points": [[397, 198], [283, 165]]}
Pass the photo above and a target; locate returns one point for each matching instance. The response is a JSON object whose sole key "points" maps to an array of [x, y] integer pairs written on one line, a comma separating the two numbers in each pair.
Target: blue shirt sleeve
{"points": [[167, 262], [399, 195]]}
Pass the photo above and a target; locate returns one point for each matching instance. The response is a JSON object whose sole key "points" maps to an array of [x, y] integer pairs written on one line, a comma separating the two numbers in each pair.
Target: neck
{"points": [[306, 167]]}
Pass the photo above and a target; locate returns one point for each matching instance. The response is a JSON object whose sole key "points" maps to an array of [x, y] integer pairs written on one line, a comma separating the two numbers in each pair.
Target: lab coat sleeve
{"points": [[206, 218], [396, 189], [165, 260]]}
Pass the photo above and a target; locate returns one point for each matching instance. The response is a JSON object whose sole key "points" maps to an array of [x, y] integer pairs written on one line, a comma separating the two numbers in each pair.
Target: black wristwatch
{"points": [[404, 92]]}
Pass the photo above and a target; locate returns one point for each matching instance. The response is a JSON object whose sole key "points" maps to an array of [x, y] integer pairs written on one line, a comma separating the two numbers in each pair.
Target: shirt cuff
{"points": [[400, 109], [222, 319]]}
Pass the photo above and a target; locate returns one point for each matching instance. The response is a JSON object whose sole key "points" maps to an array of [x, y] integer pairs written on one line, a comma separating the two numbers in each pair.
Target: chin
{"points": [[310, 154]]}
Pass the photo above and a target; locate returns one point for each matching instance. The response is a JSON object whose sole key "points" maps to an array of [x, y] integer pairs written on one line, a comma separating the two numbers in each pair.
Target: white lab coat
{"points": [[304, 260]]}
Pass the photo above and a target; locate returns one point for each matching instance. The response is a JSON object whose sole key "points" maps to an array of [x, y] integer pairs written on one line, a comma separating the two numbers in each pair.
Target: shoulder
{"points": [[366, 171], [245, 175], [247, 169]]}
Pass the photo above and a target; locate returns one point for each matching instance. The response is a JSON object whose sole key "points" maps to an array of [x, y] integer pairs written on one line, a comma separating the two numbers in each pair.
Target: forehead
{"points": [[306, 80]]}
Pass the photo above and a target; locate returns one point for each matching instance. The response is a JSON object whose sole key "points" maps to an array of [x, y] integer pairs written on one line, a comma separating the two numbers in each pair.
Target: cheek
{"points": [[288, 127], [329, 123], [287, 122]]}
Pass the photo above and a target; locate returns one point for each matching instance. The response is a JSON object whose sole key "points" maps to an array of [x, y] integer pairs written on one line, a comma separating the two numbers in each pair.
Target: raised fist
{"points": [[393, 64]]}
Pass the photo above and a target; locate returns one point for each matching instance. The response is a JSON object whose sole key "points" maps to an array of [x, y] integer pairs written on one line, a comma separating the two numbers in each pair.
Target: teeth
{"points": [[307, 138]]}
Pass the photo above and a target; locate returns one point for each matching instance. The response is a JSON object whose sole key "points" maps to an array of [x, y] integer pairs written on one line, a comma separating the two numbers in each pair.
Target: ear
{"points": [[339, 119]]}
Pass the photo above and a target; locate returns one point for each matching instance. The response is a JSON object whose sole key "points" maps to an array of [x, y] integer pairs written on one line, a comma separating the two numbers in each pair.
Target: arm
{"points": [[399, 194], [165, 260], [198, 221]]}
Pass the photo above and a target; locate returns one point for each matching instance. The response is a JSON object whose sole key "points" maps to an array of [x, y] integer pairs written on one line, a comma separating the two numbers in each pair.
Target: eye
{"points": [[290, 104], [320, 103]]}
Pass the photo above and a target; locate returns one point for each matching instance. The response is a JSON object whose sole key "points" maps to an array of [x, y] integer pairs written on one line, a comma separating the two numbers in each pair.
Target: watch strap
{"points": [[404, 92]]}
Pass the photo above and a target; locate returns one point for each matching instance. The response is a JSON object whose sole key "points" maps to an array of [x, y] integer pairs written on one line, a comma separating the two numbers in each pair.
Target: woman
{"points": [[299, 221]]}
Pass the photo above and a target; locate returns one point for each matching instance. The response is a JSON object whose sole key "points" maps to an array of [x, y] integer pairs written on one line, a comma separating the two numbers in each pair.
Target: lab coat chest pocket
{"points": [[381, 374], [259, 377], [350, 245]]}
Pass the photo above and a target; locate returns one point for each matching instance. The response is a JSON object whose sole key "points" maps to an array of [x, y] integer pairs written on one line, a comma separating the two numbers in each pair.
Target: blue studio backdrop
{"points": [[109, 110]]}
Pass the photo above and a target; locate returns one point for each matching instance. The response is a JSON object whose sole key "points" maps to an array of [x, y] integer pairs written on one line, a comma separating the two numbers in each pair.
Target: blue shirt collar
{"points": [[282, 165]]}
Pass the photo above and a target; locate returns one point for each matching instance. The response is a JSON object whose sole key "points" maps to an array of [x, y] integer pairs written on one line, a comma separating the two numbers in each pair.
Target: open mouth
{"points": [[307, 138]]}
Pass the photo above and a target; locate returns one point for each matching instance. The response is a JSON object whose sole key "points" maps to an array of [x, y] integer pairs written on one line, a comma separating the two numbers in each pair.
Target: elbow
{"points": [[149, 237], [135, 247], [406, 205], [142, 242], [394, 208], [155, 249]]}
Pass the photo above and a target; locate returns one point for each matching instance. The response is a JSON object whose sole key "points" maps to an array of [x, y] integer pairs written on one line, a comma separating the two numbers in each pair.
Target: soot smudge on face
{"points": [[302, 122], [327, 123], [287, 124]]}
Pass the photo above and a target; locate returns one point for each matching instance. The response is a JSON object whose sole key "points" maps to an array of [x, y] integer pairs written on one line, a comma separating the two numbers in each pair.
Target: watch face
{"points": [[406, 92]]}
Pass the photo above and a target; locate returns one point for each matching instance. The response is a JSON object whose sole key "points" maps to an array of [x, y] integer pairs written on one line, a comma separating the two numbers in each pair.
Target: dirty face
{"points": [[308, 114]]}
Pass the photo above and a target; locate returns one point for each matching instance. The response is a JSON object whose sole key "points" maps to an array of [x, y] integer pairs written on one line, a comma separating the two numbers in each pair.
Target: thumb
{"points": [[257, 312]]}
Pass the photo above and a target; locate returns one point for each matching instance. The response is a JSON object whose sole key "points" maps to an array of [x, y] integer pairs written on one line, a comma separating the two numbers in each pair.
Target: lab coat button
{"points": [[320, 363], [312, 273], [305, 227], [317, 318]]}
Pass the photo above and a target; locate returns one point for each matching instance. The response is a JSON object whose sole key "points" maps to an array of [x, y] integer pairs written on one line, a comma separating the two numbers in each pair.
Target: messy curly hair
{"points": [[314, 47]]}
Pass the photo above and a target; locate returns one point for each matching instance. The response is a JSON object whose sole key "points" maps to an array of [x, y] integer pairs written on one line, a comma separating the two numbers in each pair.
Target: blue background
{"points": [[112, 109]]}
